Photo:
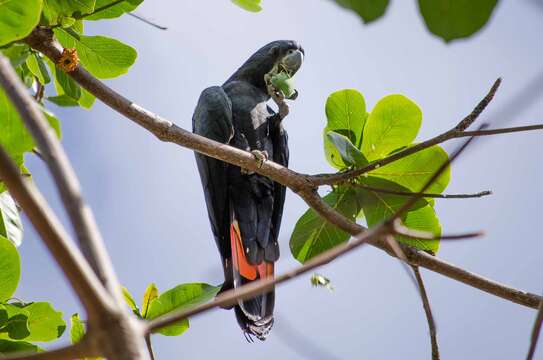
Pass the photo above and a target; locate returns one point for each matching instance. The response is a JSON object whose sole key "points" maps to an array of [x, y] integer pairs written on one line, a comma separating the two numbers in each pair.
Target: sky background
{"points": [[147, 197]]}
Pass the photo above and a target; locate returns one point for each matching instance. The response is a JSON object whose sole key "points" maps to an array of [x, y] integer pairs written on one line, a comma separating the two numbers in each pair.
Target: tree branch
{"points": [[53, 154], [304, 185], [426, 195], [75, 351], [428, 312], [81, 277]]}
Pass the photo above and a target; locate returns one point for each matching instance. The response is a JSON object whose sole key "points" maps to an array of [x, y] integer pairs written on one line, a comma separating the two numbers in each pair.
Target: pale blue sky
{"points": [[147, 198]]}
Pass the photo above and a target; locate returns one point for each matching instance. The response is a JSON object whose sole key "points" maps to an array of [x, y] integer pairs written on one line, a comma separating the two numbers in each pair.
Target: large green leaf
{"points": [[11, 226], [18, 18], [414, 171], [180, 297], [103, 57], [44, 322], [110, 9], [393, 123], [313, 235], [349, 153], [346, 114], [368, 10], [379, 206], [10, 269], [54, 11], [455, 19], [7, 346], [249, 5]]}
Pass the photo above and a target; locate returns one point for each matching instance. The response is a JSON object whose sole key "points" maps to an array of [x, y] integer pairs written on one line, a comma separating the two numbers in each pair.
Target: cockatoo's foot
{"points": [[260, 156]]}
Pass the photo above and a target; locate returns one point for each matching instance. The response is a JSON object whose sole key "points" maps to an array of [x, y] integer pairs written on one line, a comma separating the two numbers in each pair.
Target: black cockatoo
{"points": [[245, 208]]}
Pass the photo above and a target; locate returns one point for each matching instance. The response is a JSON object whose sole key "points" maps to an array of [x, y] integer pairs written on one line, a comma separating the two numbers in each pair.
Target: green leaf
{"points": [[249, 5], [150, 295], [414, 171], [331, 152], [87, 99], [11, 226], [17, 325], [18, 18], [16, 53], [105, 10], [10, 269], [346, 114], [313, 235], [103, 57], [379, 206], [63, 100], [14, 137], [348, 152], [180, 297], [456, 19], [129, 299], [394, 123], [368, 10], [55, 11], [68, 86], [44, 322], [77, 329], [7, 347], [37, 67]]}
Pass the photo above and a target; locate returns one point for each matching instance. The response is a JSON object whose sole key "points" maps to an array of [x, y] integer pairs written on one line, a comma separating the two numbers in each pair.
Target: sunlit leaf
{"points": [[129, 299], [414, 171], [110, 9], [10, 269], [18, 18], [180, 297], [37, 67], [249, 5], [150, 295], [103, 57], [55, 11], [44, 322], [393, 123], [346, 114]]}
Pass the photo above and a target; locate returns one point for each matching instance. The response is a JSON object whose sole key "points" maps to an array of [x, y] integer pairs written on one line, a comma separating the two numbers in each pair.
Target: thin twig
{"points": [[149, 346], [400, 229], [535, 332], [432, 179], [82, 219], [147, 21], [426, 195], [481, 106], [428, 312], [501, 131]]}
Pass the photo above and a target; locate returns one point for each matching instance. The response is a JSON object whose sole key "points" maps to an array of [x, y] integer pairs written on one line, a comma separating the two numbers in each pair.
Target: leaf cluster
{"points": [[354, 138]]}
